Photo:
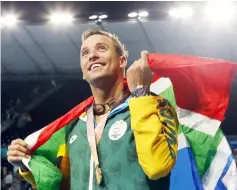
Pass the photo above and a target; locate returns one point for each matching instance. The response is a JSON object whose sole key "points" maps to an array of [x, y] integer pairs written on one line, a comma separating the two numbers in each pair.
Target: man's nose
{"points": [[93, 56]]}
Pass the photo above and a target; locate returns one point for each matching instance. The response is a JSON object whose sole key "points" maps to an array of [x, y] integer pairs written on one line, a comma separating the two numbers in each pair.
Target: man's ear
{"points": [[123, 62]]}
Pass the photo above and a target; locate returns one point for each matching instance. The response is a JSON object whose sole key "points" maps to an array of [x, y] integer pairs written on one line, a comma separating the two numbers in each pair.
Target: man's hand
{"points": [[16, 151], [139, 73]]}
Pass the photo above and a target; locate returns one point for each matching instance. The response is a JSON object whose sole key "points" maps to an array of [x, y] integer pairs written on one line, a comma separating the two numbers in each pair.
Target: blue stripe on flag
{"points": [[185, 175], [220, 185]]}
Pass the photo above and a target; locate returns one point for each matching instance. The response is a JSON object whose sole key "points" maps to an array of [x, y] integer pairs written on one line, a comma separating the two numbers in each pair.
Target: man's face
{"points": [[99, 59]]}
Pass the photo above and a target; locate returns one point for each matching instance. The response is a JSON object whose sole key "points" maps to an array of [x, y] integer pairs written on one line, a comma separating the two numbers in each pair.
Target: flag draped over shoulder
{"points": [[202, 94], [199, 89]]}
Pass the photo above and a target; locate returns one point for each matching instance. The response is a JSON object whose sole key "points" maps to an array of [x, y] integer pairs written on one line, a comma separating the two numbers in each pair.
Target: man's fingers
{"points": [[20, 142], [16, 153], [18, 147], [14, 158], [144, 56]]}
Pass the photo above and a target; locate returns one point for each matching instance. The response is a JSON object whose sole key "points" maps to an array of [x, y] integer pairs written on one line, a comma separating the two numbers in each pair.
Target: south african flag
{"points": [[200, 90]]}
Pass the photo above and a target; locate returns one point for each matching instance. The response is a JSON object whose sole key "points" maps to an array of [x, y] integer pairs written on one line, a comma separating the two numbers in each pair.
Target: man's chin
{"points": [[99, 78]]}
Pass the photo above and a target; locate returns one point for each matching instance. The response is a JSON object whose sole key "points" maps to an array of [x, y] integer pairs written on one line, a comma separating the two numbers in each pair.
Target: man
{"points": [[124, 140]]}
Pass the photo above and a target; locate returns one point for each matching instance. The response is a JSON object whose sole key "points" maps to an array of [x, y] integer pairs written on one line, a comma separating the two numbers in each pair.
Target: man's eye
{"points": [[101, 48], [84, 53]]}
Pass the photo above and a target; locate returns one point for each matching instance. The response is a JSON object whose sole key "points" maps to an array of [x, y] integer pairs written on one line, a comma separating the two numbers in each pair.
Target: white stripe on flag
{"points": [[32, 139], [26, 161], [218, 163], [160, 85], [198, 121], [182, 141], [230, 179]]}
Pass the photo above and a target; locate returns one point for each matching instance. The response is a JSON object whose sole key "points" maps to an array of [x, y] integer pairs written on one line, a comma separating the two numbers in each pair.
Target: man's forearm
{"points": [[155, 135]]}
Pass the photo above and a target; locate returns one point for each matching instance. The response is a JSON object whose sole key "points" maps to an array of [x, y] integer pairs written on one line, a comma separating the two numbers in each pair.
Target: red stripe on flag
{"points": [[201, 85], [50, 129]]}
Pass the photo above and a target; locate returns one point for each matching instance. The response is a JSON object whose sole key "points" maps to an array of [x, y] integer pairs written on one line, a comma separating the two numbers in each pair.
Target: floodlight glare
{"points": [[103, 16], [132, 15], [9, 20], [182, 12], [221, 11], [61, 18], [92, 17], [143, 14]]}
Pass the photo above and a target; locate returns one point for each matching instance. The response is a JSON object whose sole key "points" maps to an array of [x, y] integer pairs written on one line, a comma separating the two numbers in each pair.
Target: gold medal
{"points": [[98, 174]]}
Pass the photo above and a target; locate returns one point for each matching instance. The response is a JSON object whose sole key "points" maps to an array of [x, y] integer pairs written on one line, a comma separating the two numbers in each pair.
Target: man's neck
{"points": [[110, 90]]}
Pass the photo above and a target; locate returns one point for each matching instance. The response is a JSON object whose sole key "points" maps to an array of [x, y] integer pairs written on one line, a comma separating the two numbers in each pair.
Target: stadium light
{"points": [[103, 16], [132, 15], [9, 20], [98, 18], [182, 12], [139, 15], [61, 18], [143, 14], [92, 17], [220, 11]]}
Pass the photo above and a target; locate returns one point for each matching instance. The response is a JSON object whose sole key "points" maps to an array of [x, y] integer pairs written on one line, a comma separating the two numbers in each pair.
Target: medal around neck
{"points": [[98, 174]]}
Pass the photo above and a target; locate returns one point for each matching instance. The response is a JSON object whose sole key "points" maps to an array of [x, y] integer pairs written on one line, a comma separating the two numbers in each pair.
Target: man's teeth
{"points": [[95, 66]]}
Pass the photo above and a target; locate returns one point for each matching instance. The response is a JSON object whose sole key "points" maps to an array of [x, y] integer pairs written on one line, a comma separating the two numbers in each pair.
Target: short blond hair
{"points": [[119, 46]]}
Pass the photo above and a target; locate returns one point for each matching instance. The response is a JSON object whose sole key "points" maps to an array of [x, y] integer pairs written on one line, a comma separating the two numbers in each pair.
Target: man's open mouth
{"points": [[95, 66]]}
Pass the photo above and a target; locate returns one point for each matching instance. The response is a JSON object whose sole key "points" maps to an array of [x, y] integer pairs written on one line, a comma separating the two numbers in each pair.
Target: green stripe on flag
{"points": [[169, 95], [203, 146], [46, 175], [43, 161], [50, 149]]}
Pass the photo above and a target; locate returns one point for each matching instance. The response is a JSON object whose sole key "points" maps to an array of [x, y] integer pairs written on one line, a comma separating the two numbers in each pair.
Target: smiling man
{"points": [[128, 138]]}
